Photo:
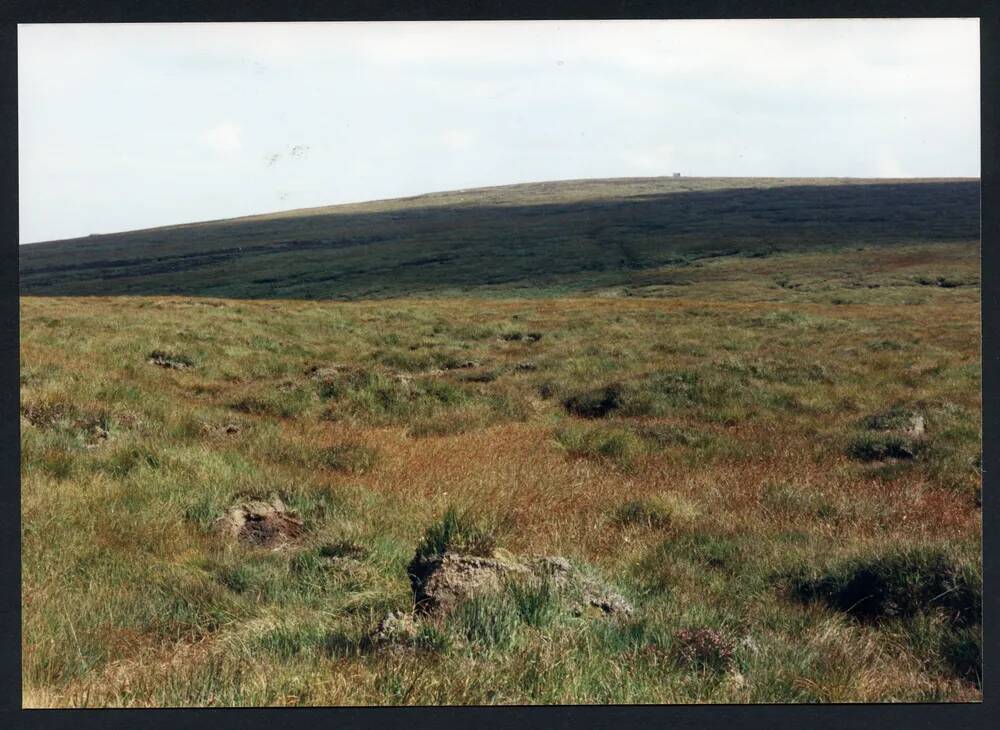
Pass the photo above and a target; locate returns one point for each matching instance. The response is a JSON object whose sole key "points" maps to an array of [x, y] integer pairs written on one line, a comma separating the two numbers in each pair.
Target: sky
{"points": [[125, 126]]}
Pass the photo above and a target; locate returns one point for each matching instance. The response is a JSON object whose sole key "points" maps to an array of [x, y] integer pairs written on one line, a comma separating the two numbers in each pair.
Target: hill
{"points": [[557, 237]]}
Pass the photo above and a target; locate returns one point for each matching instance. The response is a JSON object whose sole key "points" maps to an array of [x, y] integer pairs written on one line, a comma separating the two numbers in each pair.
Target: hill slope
{"points": [[541, 237]]}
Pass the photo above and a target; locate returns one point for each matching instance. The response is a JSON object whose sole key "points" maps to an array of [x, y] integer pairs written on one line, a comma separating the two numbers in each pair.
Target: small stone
{"points": [[610, 603], [395, 628], [264, 524]]}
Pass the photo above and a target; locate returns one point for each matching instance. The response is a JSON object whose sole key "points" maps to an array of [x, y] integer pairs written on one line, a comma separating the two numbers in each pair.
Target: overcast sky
{"points": [[132, 126]]}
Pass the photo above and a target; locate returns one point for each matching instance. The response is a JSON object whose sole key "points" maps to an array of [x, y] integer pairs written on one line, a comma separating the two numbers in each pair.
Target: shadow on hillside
{"points": [[424, 250]]}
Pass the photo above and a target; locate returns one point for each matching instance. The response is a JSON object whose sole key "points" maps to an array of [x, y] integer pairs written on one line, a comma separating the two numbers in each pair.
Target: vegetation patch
{"points": [[645, 513], [897, 418], [704, 648], [594, 403], [882, 446], [349, 457], [962, 651], [380, 397], [616, 445], [491, 621], [898, 584], [278, 403], [342, 549], [936, 597], [667, 434], [48, 412], [170, 360]]}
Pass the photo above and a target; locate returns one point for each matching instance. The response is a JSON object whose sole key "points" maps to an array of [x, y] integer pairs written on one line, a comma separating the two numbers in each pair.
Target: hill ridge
{"points": [[580, 233]]}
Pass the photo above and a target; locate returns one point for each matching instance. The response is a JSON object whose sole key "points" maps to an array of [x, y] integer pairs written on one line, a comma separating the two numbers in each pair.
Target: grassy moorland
{"points": [[715, 437], [538, 239]]}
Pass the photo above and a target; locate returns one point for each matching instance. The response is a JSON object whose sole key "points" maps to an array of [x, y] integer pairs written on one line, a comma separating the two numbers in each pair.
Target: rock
{"points": [[212, 428], [395, 628], [553, 565], [265, 524], [897, 433], [897, 419], [526, 367], [609, 603], [442, 582], [487, 376], [169, 360], [736, 680], [317, 372], [461, 365]]}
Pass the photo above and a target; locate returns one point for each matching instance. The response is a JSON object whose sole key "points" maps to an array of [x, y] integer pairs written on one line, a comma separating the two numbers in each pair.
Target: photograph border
{"points": [[965, 715]]}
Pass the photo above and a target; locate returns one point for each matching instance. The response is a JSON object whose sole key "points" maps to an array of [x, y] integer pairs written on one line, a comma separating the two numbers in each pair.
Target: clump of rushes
{"points": [[456, 532], [537, 602], [493, 621]]}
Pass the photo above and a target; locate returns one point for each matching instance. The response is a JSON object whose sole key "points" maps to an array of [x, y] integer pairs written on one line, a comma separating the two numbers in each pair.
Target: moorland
{"points": [[748, 409]]}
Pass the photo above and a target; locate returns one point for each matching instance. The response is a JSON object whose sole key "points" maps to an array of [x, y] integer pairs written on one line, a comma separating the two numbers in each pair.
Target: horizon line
{"points": [[481, 188]]}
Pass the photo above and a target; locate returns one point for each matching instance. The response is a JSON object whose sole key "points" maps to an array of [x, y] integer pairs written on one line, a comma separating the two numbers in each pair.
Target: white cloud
{"points": [[223, 137]]}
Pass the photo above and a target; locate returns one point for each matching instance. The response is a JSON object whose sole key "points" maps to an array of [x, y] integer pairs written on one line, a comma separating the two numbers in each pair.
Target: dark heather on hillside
{"points": [[545, 238]]}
